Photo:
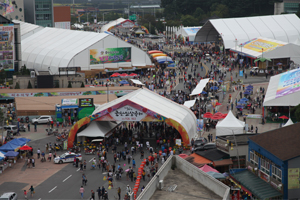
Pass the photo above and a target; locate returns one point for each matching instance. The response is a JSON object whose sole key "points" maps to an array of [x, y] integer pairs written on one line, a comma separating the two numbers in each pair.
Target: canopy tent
{"points": [[190, 103], [207, 168], [143, 105], [163, 58], [135, 81], [9, 147], [98, 129], [24, 140], [199, 87], [283, 90], [284, 28], [289, 122], [229, 125], [17, 142], [121, 22], [27, 29], [11, 154], [216, 175], [189, 32]]}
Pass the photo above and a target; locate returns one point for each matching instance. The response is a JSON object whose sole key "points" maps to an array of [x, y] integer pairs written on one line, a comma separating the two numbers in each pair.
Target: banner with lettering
{"points": [[110, 55], [293, 178]]}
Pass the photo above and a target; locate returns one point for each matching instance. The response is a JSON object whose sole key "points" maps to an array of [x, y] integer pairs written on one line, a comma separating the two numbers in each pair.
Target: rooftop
{"points": [[240, 139], [213, 154], [282, 143], [184, 189]]}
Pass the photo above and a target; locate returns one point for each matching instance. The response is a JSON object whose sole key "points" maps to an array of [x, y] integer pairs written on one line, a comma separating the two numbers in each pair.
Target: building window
{"points": [[253, 158], [276, 173], [265, 166]]}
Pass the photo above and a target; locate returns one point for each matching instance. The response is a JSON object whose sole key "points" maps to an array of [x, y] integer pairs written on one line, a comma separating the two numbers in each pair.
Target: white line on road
{"points": [[53, 189], [39, 199], [78, 169], [67, 178], [91, 159]]}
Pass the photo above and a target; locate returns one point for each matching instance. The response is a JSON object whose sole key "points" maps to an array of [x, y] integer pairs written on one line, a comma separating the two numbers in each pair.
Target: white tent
{"points": [[98, 129], [188, 32], [230, 125], [198, 89], [28, 29], [135, 81], [283, 90], [190, 103], [234, 31], [289, 122]]}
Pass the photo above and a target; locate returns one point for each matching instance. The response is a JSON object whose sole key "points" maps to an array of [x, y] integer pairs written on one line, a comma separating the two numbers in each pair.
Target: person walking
{"points": [[49, 156], [84, 180], [25, 194], [81, 191], [99, 191], [38, 153], [33, 162], [31, 189], [119, 193], [28, 126]]}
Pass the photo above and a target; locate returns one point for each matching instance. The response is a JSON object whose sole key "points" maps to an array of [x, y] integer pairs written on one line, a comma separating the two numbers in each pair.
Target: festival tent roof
{"points": [[277, 95], [190, 103], [199, 87], [284, 28], [27, 29], [289, 122], [98, 129], [11, 154], [135, 81], [160, 105], [8, 147], [188, 32], [119, 21], [17, 142], [228, 124]]}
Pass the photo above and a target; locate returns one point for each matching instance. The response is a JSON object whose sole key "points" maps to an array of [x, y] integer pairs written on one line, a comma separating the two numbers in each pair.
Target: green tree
{"points": [[69, 85], [220, 10], [29, 85], [198, 13], [296, 112], [82, 85], [189, 20], [17, 85]]}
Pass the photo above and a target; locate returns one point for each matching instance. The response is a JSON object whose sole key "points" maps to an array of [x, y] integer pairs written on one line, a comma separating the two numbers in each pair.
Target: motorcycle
{"points": [[75, 149], [22, 128], [27, 119], [49, 131], [22, 120], [89, 151], [58, 147]]}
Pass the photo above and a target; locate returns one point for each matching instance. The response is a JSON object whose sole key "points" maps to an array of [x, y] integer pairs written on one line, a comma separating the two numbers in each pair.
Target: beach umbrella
{"points": [[132, 74], [245, 99], [239, 106], [123, 75], [242, 102], [115, 75], [247, 93], [207, 115], [216, 117], [224, 115], [25, 148], [283, 117], [249, 86], [218, 104]]}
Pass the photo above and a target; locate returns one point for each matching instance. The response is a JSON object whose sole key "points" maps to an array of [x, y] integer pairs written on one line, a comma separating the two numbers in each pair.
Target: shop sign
{"points": [[264, 176], [128, 113], [69, 102], [293, 178], [178, 142]]}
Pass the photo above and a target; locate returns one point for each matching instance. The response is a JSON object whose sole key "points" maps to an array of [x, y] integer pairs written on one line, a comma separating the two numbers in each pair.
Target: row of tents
{"points": [[9, 149]]}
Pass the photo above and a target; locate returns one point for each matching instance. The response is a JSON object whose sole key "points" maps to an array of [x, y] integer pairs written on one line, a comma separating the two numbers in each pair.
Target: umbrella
{"points": [[11, 154], [283, 117], [25, 148], [123, 82], [245, 99], [220, 81], [218, 104], [242, 102], [224, 115], [246, 92], [127, 170], [262, 59], [124, 75], [249, 86], [115, 75], [203, 92], [132, 74], [239, 106], [214, 88], [207, 115], [216, 117], [218, 113]]}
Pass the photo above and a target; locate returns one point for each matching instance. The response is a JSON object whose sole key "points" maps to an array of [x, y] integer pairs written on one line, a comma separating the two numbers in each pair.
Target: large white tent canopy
{"points": [[116, 22], [27, 29], [189, 103], [160, 105], [235, 31], [98, 129], [289, 122], [276, 95], [199, 88], [51, 48], [229, 126]]}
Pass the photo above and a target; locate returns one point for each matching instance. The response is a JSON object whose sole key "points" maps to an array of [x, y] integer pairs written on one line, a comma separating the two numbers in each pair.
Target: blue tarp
{"points": [[8, 147], [24, 140], [17, 142], [11, 154]]}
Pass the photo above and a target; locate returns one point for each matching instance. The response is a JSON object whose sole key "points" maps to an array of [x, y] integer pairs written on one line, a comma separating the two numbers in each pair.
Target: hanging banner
{"points": [[260, 45], [69, 102], [7, 47], [128, 113], [110, 55], [289, 83], [293, 178], [199, 125]]}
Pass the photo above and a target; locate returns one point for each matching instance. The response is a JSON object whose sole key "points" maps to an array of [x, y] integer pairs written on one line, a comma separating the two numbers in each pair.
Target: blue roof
{"points": [[17, 142], [11, 154], [8, 147]]}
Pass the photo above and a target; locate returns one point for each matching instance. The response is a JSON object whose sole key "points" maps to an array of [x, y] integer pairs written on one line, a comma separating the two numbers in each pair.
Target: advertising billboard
{"points": [[289, 83], [7, 41], [260, 45], [110, 55], [86, 102]]}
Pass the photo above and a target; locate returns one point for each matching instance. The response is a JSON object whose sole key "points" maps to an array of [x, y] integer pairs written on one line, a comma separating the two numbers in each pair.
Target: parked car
{"points": [[67, 157], [9, 196], [254, 69], [206, 147], [42, 119], [200, 142], [11, 129]]}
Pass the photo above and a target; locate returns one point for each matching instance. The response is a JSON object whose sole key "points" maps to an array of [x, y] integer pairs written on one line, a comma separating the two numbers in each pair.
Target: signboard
{"points": [[289, 83], [127, 24], [110, 55], [9, 7], [199, 125], [293, 178], [69, 102], [264, 176], [132, 17], [87, 102], [63, 25], [261, 45], [65, 144], [7, 41], [128, 113], [178, 142]]}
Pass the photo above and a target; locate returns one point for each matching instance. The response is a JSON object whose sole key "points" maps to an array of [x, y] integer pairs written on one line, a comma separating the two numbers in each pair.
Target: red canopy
{"points": [[154, 51], [132, 74], [218, 104], [25, 148], [216, 117], [123, 75], [218, 114], [115, 74], [283, 117]]}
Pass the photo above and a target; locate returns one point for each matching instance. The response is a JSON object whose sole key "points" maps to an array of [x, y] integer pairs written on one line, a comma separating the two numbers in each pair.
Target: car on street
{"points": [[9, 196], [200, 141], [67, 157], [206, 146], [42, 119], [254, 69], [11, 129]]}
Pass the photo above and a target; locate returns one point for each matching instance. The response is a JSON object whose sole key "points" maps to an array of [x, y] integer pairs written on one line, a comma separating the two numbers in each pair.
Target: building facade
{"points": [[62, 17], [39, 12], [287, 6]]}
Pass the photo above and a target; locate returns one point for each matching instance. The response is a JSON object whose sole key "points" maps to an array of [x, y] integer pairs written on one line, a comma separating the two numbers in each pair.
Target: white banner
{"points": [[69, 102], [128, 113]]}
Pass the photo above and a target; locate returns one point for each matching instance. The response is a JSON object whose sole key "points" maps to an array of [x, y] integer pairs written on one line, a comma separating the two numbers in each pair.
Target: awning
{"points": [[222, 162], [135, 81], [69, 107], [199, 87], [190, 103], [98, 129], [257, 186]]}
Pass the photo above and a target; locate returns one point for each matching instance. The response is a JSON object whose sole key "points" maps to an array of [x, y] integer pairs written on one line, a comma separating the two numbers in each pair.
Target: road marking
{"points": [[78, 169], [39, 199], [53, 189], [67, 178], [104, 173], [91, 159]]}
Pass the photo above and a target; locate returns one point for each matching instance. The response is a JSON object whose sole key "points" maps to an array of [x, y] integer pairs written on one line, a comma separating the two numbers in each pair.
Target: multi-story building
{"points": [[62, 17], [39, 12], [287, 6]]}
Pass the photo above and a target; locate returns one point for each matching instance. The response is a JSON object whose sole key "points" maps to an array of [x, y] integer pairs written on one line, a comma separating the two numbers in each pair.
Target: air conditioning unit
{"points": [[161, 184]]}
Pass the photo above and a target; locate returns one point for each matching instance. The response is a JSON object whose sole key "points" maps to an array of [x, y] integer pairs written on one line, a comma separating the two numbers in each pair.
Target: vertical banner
{"points": [[293, 178], [7, 41], [200, 125]]}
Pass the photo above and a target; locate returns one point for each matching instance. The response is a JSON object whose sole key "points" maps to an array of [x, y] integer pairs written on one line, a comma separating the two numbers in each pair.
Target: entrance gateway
{"points": [[145, 106]]}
